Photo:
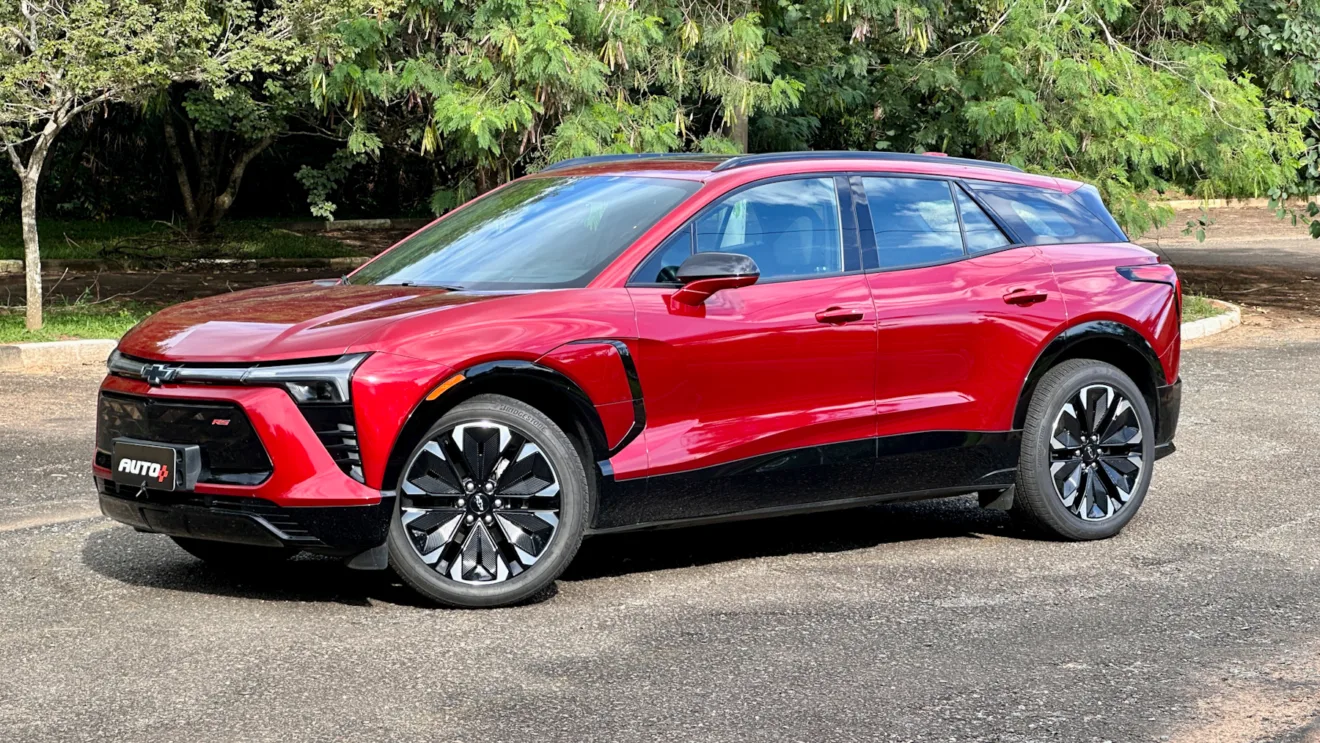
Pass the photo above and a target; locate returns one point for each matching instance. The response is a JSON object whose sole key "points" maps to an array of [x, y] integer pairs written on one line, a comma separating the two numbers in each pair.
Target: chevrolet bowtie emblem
{"points": [[158, 374]]}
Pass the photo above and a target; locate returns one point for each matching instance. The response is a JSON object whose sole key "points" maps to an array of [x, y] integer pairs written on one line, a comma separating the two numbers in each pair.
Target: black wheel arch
{"points": [[545, 389], [1103, 340]]}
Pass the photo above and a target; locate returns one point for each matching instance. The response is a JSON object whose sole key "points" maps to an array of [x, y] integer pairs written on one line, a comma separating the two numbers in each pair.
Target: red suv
{"points": [[626, 342]]}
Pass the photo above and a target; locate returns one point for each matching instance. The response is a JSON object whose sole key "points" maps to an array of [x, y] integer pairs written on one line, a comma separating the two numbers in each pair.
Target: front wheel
{"points": [[493, 505], [1087, 451]]}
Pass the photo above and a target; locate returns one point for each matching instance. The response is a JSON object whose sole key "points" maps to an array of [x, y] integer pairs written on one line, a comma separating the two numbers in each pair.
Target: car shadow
{"points": [[153, 561]]}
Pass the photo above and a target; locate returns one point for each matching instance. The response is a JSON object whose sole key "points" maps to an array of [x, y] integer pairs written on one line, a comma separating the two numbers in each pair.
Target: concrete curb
{"points": [[21, 356], [406, 223], [1211, 325]]}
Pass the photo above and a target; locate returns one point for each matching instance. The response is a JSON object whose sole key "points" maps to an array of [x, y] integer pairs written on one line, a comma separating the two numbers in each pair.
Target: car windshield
{"points": [[539, 233]]}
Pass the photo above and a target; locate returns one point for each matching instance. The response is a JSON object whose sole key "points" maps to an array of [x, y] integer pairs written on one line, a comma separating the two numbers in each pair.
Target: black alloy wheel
{"points": [[1096, 453], [1087, 452], [492, 505]]}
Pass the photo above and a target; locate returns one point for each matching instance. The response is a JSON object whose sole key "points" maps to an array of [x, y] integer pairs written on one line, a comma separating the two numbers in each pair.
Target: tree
{"points": [[490, 89], [1138, 98], [59, 59], [241, 95]]}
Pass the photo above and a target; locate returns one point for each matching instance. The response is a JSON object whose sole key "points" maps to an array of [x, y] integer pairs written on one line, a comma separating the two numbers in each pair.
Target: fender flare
{"points": [[1066, 339], [426, 412]]}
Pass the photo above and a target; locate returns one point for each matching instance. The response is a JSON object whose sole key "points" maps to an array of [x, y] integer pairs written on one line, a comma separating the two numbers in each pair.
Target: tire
{"points": [[238, 556], [493, 505], [1074, 481]]}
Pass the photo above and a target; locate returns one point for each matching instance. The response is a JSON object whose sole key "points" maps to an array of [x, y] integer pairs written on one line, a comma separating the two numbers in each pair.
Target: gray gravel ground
{"points": [[934, 621]]}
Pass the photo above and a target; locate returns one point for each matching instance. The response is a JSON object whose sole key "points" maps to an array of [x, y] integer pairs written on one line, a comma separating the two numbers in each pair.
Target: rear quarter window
{"points": [[1043, 217]]}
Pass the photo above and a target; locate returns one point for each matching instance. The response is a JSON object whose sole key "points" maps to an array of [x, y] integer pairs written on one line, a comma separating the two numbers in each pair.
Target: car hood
{"points": [[289, 321]]}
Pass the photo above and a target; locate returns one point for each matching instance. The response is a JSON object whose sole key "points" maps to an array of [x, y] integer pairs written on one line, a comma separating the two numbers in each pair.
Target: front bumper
{"points": [[294, 493], [1168, 403], [302, 472], [333, 530]]}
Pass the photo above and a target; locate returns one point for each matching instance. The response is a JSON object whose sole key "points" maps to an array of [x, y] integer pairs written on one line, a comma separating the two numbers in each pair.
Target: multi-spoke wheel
{"points": [[492, 505], [1095, 452], [1086, 452]]}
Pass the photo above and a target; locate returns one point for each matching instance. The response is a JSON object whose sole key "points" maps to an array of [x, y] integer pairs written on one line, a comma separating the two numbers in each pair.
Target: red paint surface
{"points": [[952, 352], [303, 473], [754, 371], [750, 371], [386, 388]]}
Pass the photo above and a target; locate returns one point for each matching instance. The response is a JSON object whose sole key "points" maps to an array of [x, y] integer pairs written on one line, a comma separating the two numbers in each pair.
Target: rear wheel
{"points": [[1087, 451], [240, 556], [493, 505]]}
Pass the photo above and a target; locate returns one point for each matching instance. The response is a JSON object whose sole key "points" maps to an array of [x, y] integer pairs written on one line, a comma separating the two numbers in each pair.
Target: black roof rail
{"points": [[777, 157], [595, 159]]}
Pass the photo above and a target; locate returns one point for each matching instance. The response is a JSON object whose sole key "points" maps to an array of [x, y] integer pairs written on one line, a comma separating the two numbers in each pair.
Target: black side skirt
{"points": [[902, 467]]}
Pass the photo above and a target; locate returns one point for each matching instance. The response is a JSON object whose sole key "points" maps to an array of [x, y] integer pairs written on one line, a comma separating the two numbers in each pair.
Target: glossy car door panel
{"points": [[955, 341], [753, 371]]}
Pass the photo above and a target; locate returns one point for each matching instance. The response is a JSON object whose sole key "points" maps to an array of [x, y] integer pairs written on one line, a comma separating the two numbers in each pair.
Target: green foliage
{"points": [[72, 323], [450, 98], [492, 88]]}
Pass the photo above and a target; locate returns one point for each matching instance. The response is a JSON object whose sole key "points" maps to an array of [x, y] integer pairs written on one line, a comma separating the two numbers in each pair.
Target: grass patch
{"points": [[1196, 307], [71, 323], [136, 239]]}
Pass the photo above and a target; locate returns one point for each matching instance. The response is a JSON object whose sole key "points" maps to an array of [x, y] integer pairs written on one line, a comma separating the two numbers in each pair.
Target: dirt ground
{"points": [[1230, 224]]}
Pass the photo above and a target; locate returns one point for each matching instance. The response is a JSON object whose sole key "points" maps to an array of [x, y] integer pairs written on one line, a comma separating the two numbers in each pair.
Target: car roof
{"points": [[699, 167]]}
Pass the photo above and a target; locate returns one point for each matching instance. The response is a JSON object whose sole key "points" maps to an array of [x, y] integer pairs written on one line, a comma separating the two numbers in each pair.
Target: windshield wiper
{"points": [[447, 287]]}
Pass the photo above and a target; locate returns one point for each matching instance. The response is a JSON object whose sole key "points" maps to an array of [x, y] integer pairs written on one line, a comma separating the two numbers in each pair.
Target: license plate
{"points": [[145, 466]]}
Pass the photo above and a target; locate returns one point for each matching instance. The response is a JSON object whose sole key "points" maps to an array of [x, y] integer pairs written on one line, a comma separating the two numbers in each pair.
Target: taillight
{"points": [[1156, 273]]}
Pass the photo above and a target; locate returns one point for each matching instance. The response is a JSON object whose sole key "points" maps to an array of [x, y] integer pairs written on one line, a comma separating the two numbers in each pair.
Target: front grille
{"points": [[232, 453], [335, 427]]}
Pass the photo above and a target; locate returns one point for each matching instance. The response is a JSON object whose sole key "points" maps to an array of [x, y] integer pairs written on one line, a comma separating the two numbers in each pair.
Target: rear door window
{"points": [[1040, 216], [980, 231], [914, 220]]}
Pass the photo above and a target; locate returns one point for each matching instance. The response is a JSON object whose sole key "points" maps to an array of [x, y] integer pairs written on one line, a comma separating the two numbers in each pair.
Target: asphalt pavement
{"points": [[930, 621]]}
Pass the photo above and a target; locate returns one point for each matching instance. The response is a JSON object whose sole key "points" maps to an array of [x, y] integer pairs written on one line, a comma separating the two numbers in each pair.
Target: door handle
{"points": [[838, 315], [1026, 296]]}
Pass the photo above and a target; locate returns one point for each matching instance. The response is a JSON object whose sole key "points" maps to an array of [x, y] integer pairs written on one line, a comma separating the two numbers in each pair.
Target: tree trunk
{"points": [[180, 171], [738, 132], [220, 206], [32, 248], [202, 205], [30, 176]]}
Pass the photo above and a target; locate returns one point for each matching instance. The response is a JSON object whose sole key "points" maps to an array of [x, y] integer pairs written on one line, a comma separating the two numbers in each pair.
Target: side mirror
{"points": [[703, 274]]}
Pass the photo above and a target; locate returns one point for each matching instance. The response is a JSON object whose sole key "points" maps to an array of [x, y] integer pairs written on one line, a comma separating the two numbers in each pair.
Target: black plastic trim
{"points": [[1168, 400], [640, 156], [896, 467], [1069, 337], [1128, 273], [742, 161], [634, 387], [423, 417], [715, 265], [337, 530]]}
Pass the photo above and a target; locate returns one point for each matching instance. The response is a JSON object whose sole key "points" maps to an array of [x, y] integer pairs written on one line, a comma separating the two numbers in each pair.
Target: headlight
{"points": [[323, 381], [312, 382]]}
